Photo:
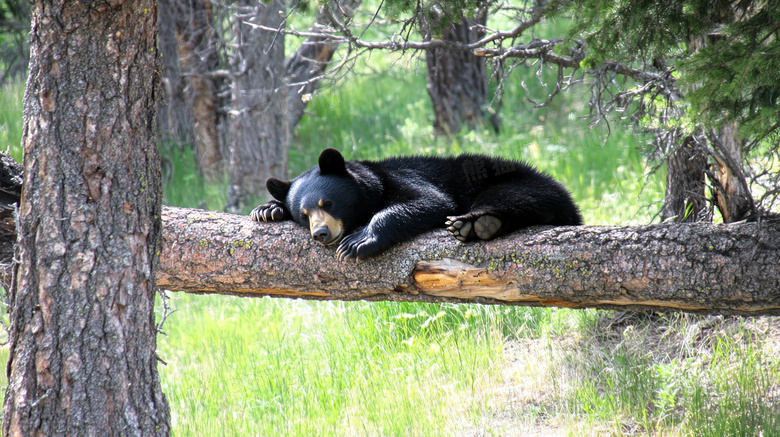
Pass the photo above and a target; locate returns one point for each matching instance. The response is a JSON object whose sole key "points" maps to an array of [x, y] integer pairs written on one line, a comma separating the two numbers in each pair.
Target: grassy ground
{"points": [[281, 367]]}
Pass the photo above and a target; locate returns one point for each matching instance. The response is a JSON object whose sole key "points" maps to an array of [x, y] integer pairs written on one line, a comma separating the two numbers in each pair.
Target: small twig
{"points": [[166, 310]]}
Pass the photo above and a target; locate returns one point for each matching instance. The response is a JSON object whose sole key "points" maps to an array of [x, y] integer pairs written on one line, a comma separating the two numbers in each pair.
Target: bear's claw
{"points": [[272, 211], [359, 245]]}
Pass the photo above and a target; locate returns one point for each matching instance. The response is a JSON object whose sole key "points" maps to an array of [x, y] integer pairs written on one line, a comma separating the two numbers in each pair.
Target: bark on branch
{"points": [[729, 269]]}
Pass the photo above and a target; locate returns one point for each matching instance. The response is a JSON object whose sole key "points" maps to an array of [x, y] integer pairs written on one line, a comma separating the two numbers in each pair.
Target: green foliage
{"points": [[279, 367], [183, 186], [637, 30], [726, 53], [731, 399], [667, 374], [14, 48], [431, 15], [737, 78]]}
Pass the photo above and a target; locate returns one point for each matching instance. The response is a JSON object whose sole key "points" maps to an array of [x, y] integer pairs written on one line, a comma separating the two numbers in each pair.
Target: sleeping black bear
{"points": [[364, 207]]}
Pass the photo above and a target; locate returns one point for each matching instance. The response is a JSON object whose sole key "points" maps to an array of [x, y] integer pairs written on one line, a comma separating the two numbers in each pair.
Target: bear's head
{"points": [[327, 199]]}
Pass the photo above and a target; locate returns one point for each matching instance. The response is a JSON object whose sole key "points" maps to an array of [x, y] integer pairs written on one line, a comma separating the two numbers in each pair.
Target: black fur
{"points": [[380, 203]]}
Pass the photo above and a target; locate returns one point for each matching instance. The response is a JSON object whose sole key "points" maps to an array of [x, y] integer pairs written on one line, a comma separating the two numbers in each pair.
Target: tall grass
{"points": [[278, 367], [11, 94]]}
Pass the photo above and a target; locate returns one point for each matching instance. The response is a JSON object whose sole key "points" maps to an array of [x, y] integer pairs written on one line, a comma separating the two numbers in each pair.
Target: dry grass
{"points": [[546, 386]]}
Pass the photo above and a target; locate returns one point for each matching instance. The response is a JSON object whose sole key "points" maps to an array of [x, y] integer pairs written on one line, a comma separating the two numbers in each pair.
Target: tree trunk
{"points": [[731, 192], [457, 83], [258, 119], [704, 268], [306, 66], [174, 113], [197, 52], [10, 191], [188, 44], [82, 335], [686, 186]]}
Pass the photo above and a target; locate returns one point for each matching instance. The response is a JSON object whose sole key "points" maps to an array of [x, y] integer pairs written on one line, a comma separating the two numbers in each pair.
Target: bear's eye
{"points": [[327, 204]]}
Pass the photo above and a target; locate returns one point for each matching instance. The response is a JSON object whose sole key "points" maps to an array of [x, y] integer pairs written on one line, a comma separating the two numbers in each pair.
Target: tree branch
{"points": [[729, 269]]}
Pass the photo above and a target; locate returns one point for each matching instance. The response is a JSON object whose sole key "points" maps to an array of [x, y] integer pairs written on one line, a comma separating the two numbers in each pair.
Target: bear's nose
{"points": [[322, 234]]}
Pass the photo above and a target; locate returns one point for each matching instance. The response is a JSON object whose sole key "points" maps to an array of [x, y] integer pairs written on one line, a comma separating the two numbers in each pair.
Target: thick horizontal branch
{"points": [[733, 269]]}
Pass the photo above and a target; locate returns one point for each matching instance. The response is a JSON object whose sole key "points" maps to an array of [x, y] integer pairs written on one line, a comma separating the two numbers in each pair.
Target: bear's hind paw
{"points": [[464, 229], [458, 228]]}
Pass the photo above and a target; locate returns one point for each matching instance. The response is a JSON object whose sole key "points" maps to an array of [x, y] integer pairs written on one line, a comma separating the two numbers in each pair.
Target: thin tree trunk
{"points": [[258, 119], [686, 185], [197, 52], [704, 268], [685, 198], [189, 115], [11, 173], [731, 192], [174, 114], [82, 335], [457, 83], [306, 66]]}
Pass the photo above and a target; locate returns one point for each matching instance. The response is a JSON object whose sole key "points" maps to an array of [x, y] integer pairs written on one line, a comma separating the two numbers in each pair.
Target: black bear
{"points": [[366, 206]]}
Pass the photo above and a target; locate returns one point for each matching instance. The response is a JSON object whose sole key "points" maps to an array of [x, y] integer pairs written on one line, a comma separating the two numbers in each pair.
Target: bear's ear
{"points": [[278, 188], [331, 162]]}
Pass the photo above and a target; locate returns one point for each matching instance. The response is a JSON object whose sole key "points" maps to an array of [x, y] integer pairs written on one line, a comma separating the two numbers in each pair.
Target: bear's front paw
{"points": [[272, 211], [359, 245]]}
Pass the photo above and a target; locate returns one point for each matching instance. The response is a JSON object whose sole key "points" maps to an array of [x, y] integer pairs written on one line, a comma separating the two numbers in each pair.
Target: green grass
{"points": [[11, 95], [183, 186], [278, 367], [288, 367]]}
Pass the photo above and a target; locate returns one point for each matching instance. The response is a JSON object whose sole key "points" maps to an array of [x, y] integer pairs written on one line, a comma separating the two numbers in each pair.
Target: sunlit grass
{"points": [[279, 367]]}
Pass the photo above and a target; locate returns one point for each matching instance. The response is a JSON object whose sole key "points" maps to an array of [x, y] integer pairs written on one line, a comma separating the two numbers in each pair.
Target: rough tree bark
{"points": [[10, 192], [707, 268], [731, 192], [258, 119], [686, 185], [82, 335], [457, 83]]}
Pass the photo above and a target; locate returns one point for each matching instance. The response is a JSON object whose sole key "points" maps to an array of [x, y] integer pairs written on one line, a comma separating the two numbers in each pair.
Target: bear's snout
{"points": [[322, 235]]}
